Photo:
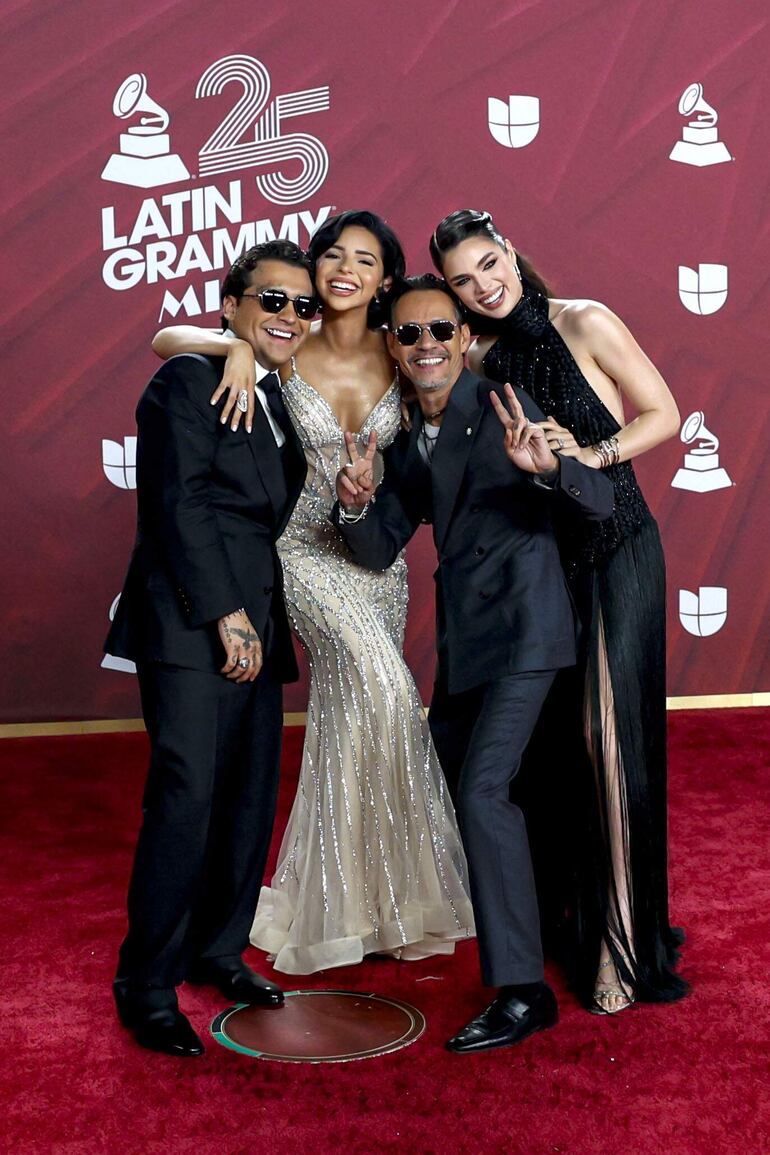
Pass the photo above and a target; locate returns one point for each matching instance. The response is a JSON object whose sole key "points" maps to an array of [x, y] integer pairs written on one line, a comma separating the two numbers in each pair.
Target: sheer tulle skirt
{"points": [[371, 860]]}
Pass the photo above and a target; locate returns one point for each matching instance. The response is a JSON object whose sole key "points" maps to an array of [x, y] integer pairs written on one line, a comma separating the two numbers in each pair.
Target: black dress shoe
{"points": [[169, 1032], [155, 1019], [507, 1021], [236, 982]]}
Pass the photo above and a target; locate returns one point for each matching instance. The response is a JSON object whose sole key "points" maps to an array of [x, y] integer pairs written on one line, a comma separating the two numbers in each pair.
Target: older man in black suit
{"points": [[202, 615], [476, 466]]}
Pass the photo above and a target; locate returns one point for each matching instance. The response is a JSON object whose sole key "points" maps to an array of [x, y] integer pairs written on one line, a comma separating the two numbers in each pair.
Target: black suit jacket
{"points": [[211, 505], [502, 601]]}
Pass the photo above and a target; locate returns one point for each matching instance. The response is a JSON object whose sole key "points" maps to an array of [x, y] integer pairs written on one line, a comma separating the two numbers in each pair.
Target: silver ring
{"points": [[244, 663], [243, 401], [560, 442]]}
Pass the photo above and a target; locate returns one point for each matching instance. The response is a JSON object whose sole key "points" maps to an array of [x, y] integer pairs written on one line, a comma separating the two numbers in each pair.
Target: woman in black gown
{"points": [[577, 360]]}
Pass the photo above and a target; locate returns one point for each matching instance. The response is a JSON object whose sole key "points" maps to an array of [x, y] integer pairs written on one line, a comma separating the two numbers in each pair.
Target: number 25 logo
{"points": [[229, 146]]}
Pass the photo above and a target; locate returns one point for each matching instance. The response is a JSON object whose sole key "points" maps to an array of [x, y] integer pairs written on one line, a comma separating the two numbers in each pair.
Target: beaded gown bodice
{"points": [[531, 353], [323, 441]]}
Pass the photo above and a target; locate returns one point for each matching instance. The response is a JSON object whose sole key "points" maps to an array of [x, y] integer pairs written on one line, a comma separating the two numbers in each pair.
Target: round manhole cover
{"points": [[320, 1027]]}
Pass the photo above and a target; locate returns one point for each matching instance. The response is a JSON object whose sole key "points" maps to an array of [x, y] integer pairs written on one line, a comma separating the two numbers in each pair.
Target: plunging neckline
{"points": [[295, 373]]}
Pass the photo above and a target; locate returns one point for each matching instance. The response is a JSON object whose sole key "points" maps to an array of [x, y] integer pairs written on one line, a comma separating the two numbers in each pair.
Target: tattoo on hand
{"points": [[247, 637]]}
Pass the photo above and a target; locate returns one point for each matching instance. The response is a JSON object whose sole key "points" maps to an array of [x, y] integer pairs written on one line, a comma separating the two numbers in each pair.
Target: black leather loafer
{"points": [[169, 1032], [507, 1021], [155, 1019], [236, 982]]}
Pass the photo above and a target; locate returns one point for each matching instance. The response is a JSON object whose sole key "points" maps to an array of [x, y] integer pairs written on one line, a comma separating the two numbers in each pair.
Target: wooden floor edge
{"points": [[131, 725], [718, 701]]}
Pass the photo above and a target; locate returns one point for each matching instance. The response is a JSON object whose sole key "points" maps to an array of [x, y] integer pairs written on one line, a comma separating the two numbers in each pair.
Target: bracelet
{"points": [[608, 452], [346, 517]]}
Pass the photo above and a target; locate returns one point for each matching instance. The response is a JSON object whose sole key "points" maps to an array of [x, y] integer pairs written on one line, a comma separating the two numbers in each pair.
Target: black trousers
{"points": [[480, 737], [208, 807]]}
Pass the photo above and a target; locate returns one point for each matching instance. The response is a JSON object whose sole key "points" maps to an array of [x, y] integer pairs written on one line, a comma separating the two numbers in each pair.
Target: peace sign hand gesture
{"points": [[525, 443], [355, 481]]}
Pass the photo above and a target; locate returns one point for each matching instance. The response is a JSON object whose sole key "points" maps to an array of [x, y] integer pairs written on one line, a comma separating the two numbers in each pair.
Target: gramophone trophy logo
{"points": [[703, 290], [145, 158], [700, 144], [701, 472], [704, 613], [516, 122]]}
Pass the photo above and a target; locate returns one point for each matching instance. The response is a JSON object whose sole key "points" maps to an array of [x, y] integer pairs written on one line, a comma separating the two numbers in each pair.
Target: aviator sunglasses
{"points": [[410, 333], [275, 300]]}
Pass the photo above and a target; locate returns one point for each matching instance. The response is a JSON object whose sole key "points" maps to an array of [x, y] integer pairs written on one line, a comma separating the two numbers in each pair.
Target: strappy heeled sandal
{"points": [[602, 996]]}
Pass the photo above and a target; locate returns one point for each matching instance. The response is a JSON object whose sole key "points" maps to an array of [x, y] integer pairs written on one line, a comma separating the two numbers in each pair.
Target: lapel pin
{"points": [[468, 431]]}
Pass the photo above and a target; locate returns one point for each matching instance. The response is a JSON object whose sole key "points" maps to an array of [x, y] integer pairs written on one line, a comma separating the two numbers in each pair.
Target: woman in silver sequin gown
{"points": [[371, 860]]}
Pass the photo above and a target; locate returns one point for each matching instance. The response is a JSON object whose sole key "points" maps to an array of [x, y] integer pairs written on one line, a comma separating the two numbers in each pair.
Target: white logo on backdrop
{"points": [[701, 472], [109, 661], [119, 462], [516, 122], [145, 158], [703, 290], [704, 613], [229, 146], [700, 144], [202, 229]]}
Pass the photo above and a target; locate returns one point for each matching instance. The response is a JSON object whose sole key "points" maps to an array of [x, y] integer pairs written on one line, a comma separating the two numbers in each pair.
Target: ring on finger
{"points": [[560, 442], [244, 663], [243, 401]]}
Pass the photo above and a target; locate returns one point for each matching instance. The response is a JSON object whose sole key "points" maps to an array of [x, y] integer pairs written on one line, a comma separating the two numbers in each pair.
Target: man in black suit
{"points": [[505, 621], [203, 617]]}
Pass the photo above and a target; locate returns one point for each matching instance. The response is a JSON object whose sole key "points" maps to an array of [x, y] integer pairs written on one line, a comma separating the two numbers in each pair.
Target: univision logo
{"points": [[516, 122], [704, 613], [110, 661], [703, 290], [119, 462]]}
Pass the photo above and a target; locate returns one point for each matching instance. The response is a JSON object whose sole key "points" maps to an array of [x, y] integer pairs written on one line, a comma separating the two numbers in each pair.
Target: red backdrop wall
{"points": [[93, 266]]}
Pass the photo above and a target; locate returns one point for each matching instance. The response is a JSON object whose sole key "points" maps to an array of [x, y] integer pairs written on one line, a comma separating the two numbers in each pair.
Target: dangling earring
{"points": [[517, 272]]}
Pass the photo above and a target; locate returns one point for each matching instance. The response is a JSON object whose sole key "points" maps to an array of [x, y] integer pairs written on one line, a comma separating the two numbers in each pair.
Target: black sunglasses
{"points": [[275, 301], [410, 333]]}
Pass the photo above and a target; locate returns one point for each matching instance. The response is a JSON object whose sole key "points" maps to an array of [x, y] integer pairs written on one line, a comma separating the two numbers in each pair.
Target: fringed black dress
{"points": [[608, 732]]}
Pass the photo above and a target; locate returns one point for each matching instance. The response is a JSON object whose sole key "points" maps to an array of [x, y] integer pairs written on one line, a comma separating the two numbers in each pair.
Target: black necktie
{"points": [[269, 383], [271, 387]]}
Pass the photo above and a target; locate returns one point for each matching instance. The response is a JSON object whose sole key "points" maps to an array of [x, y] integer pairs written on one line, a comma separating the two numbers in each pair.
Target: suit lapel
{"points": [[450, 457], [267, 458], [294, 469], [419, 479]]}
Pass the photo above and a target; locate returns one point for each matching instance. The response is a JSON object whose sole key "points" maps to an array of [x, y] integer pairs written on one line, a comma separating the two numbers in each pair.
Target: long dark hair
{"points": [[464, 223], [393, 260]]}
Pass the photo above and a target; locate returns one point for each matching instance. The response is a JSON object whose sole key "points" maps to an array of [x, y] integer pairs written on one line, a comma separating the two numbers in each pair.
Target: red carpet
{"points": [[686, 1079]]}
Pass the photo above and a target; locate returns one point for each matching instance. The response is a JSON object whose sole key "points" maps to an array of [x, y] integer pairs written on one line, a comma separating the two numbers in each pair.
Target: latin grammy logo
{"points": [[701, 472], [703, 290], [700, 144], [145, 158], [704, 613], [516, 123], [119, 462], [109, 661]]}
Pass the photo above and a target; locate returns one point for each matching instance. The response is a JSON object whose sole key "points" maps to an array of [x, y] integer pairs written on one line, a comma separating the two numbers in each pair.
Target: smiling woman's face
{"points": [[483, 276], [351, 270]]}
